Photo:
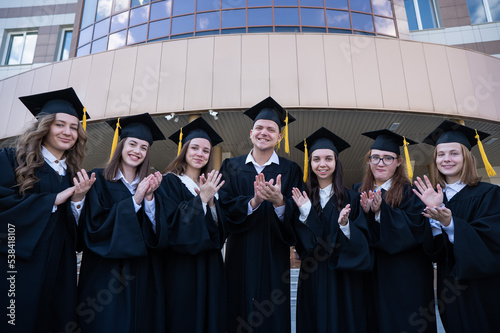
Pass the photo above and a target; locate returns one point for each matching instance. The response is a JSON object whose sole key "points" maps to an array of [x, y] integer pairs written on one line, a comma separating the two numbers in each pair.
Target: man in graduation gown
{"points": [[256, 199]]}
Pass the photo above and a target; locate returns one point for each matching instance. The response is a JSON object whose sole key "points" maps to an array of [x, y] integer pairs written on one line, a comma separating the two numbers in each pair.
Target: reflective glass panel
{"points": [[361, 5], [362, 22], [204, 5], [121, 5], [286, 2], [119, 22], [84, 50], [183, 7], [310, 16], [66, 45], [260, 16], [103, 9], [260, 29], [257, 3], [234, 18], [159, 29], [385, 26], [339, 4], [117, 40], [207, 21], [233, 31], [476, 11], [207, 33], [88, 15], [101, 29], [161, 10], [233, 3], [136, 3], [382, 7], [495, 9], [286, 16], [183, 24], [338, 19], [137, 34], [427, 14], [99, 45], [139, 15], [85, 36], [411, 15], [311, 3]]}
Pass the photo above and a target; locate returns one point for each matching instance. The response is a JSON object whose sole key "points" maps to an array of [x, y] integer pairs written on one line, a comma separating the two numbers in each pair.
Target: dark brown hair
{"points": [[178, 165], [111, 169]]}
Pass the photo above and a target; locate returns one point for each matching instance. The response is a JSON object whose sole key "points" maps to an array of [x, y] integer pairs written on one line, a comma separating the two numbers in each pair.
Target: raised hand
{"points": [[298, 197], [64, 195], [154, 182], [365, 202], [272, 192], [82, 185], [427, 194], [142, 189], [441, 214], [209, 186], [344, 215], [376, 200], [257, 199]]}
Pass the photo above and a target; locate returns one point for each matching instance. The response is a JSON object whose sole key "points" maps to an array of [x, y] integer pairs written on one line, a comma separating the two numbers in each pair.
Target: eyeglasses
{"points": [[387, 160]]}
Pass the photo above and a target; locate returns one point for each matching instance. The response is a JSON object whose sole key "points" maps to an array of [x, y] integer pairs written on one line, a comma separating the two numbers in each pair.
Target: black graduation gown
{"points": [[194, 268], [331, 296], [469, 269], [402, 278], [121, 281], [258, 248], [45, 260]]}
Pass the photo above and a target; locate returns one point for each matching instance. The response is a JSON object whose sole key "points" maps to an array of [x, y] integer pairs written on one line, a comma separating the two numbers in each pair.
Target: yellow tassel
{"points": [[287, 144], [115, 139], [180, 143], [487, 165], [306, 161], [84, 122], [408, 162]]}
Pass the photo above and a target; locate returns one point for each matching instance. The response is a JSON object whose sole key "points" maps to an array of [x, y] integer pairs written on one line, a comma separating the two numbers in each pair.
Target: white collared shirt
{"points": [[191, 186], [59, 166], [280, 211], [385, 186]]}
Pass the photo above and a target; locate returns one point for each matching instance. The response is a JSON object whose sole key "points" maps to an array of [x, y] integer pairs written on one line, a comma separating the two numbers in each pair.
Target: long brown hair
{"points": [[178, 165], [468, 174], [29, 153], [395, 195], [111, 169]]}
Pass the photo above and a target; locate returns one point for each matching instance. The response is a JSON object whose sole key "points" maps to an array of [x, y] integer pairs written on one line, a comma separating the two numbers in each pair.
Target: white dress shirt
{"points": [[59, 166]]}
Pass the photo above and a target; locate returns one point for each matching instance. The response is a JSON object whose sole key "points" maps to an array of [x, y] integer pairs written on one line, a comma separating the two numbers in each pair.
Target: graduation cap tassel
{"points": [[306, 161], [487, 165], [84, 121], [287, 144], [407, 156], [180, 143], [115, 138]]}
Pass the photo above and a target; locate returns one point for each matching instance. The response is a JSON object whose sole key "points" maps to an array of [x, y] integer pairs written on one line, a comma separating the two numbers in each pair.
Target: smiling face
{"points": [[382, 172], [134, 152], [265, 134], [62, 135], [197, 154], [450, 161], [323, 164]]}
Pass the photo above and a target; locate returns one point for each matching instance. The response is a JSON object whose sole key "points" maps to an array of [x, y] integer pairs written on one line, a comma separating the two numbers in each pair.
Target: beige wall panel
{"points": [[7, 99], [146, 80], [417, 80], [98, 84], [339, 75], [79, 77], [173, 76], [366, 74], [392, 79], [462, 83], [312, 72], [443, 96], [254, 69], [41, 79], [121, 83], [493, 65], [227, 71], [19, 113], [484, 86], [283, 74], [199, 73], [60, 75]]}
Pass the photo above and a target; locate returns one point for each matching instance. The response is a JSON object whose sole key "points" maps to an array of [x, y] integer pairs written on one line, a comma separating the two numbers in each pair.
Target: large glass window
{"points": [[286, 16], [477, 11], [121, 5], [258, 3], [117, 40], [338, 19], [234, 18], [21, 49], [139, 15], [206, 5], [159, 29], [361, 5], [207, 21], [233, 4], [382, 7], [260, 16], [362, 22], [137, 34], [183, 7], [312, 16], [88, 16], [337, 4], [183, 24], [286, 2], [101, 29], [311, 3], [162, 9], [385, 26], [99, 45], [103, 9], [136, 3], [119, 22], [421, 14], [85, 36]]}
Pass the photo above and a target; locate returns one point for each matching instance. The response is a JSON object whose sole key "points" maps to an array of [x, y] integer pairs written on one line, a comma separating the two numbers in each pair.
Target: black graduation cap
{"points": [[269, 109], [57, 101], [449, 131], [198, 128], [387, 140]]}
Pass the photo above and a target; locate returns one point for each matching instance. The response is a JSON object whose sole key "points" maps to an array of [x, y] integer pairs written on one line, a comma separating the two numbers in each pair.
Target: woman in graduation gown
{"points": [[332, 241], [39, 282], [120, 286], [465, 217], [194, 269], [401, 282]]}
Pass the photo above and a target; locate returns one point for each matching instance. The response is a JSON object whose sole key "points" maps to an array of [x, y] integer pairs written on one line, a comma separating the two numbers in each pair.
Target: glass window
{"points": [[161, 10], [234, 31], [286, 2], [119, 22], [117, 40], [65, 44], [103, 9], [137, 34], [286, 16], [361, 5], [340, 4], [310, 16], [85, 36], [287, 29], [258, 3], [183, 7], [260, 16], [21, 48], [311, 3], [101, 29], [385, 26], [362, 22], [99, 45], [183, 24], [205, 5], [207, 33], [234, 18], [207, 21], [136, 3], [338, 19], [159, 29], [382, 7], [88, 13], [411, 15], [84, 50], [233, 4], [427, 14], [260, 29], [139, 15], [121, 5], [495, 10], [339, 31]]}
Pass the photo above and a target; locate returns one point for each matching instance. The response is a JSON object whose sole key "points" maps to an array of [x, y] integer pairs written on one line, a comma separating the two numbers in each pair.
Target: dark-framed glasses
{"points": [[387, 160]]}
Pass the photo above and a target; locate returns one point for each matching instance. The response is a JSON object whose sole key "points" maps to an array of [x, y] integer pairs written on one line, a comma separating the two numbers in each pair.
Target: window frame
{"points": [[8, 45], [62, 38]]}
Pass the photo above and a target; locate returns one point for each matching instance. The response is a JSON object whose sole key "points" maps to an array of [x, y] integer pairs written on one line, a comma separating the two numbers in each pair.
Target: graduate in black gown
{"points": [[464, 214], [256, 200], [333, 243], [401, 282], [39, 234], [121, 281], [194, 279]]}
